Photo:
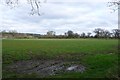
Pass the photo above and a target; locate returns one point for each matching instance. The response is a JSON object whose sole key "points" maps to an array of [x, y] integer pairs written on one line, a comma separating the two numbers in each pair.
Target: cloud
{"points": [[59, 16]]}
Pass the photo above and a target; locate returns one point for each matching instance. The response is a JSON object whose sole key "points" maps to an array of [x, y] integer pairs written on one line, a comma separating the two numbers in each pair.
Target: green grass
{"points": [[97, 66], [99, 55]]}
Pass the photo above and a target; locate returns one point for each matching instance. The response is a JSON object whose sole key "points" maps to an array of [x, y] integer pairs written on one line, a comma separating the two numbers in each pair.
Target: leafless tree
{"points": [[83, 35], [114, 4], [35, 5], [116, 33], [99, 32], [88, 34], [106, 34], [51, 33]]}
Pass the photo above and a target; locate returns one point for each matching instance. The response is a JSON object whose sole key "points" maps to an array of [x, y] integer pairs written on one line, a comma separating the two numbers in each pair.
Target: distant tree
{"points": [[88, 34], [76, 35], [106, 34], [99, 32], [12, 31], [111, 35], [65, 34], [4, 31], [50, 33], [102, 33], [83, 35], [116, 33], [70, 34]]}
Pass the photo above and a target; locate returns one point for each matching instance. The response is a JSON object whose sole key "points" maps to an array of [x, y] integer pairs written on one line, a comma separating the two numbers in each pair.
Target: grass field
{"points": [[99, 56]]}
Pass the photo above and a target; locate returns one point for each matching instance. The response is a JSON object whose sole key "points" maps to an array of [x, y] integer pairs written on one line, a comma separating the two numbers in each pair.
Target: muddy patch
{"points": [[45, 67]]}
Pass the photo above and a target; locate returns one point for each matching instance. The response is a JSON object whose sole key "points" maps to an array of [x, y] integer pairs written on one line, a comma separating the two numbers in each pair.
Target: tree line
{"points": [[99, 33]]}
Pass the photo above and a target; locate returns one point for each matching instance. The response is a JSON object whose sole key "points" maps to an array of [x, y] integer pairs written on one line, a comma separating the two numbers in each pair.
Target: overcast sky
{"points": [[59, 16]]}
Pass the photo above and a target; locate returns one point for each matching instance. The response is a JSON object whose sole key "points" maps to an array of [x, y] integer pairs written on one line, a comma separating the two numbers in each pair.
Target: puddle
{"points": [[76, 68], [72, 68], [45, 68]]}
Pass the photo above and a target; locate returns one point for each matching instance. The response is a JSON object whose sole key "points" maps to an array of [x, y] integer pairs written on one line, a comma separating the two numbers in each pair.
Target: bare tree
{"points": [[50, 33], [114, 4], [83, 35], [99, 32], [88, 34], [116, 33], [76, 35], [106, 34], [35, 5]]}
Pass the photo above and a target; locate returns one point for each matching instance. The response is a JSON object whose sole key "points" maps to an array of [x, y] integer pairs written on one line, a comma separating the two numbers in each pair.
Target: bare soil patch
{"points": [[45, 67]]}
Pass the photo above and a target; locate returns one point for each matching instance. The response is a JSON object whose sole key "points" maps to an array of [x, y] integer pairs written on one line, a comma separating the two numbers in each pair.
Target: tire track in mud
{"points": [[45, 67]]}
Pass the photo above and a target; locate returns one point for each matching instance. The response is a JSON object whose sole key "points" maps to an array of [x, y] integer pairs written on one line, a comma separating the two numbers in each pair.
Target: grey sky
{"points": [[59, 16]]}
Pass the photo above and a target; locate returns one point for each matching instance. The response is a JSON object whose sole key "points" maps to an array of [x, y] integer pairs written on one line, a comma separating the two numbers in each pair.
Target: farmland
{"points": [[98, 56]]}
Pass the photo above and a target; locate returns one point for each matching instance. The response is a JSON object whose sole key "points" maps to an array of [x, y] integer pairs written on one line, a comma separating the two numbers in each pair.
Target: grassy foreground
{"points": [[98, 55]]}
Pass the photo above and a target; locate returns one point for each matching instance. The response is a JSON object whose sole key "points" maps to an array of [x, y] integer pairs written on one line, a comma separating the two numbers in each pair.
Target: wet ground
{"points": [[45, 67]]}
